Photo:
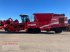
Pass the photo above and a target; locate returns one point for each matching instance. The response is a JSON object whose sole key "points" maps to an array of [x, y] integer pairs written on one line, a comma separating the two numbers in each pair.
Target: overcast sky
{"points": [[13, 8]]}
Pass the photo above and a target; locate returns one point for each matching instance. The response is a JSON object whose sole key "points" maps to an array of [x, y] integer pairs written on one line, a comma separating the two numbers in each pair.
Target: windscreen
{"points": [[24, 18]]}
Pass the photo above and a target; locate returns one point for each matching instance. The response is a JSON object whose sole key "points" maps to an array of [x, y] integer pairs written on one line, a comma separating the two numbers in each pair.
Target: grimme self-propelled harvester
{"points": [[42, 22]]}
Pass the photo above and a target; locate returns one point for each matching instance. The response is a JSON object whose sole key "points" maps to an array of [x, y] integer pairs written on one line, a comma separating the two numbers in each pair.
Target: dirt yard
{"points": [[42, 42]]}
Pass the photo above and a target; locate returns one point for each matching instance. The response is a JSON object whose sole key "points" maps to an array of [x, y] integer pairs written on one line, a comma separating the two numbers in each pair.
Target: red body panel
{"points": [[42, 19], [46, 21]]}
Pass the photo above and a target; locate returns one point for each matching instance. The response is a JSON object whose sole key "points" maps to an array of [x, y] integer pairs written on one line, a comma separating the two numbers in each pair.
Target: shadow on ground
{"points": [[3, 32]]}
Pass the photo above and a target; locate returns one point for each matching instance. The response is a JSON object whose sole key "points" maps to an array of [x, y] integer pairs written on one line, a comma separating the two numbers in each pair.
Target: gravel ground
{"points": [[42, 42]]}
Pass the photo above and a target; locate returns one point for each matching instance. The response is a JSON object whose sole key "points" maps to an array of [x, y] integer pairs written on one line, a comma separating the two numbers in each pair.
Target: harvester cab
{"points": [[25, 18]]}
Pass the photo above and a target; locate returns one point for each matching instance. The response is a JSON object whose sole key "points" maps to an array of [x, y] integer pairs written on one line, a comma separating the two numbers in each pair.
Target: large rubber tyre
{"points": [[29, 30], [36, 30], [58, 30]]}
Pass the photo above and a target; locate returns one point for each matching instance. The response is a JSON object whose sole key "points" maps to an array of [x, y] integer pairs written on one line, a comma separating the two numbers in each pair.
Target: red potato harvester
{"points": [[42, 22]]}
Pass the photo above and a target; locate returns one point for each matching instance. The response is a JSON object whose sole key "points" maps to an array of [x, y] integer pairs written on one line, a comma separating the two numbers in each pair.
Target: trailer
{"points": [[42, 22]]}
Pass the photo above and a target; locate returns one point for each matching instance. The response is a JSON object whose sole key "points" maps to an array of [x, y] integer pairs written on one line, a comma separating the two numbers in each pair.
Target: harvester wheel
{"points": [[36, 30], [30, 30], [58, 30]]}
